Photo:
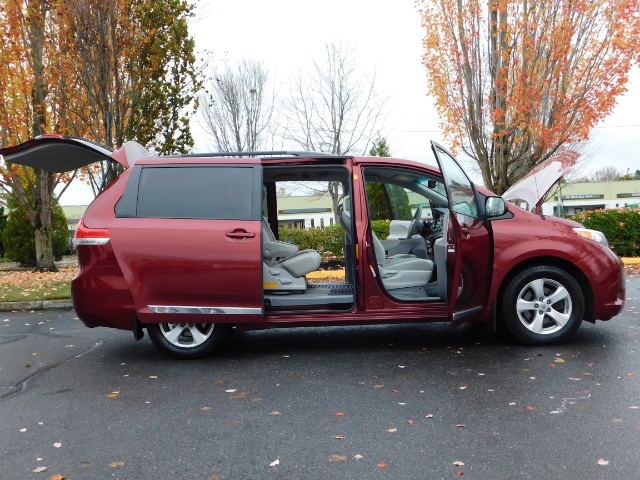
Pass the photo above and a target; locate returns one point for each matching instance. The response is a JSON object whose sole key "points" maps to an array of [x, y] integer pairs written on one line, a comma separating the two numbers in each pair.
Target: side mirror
{"points": [[495, 207], [432, 184]]}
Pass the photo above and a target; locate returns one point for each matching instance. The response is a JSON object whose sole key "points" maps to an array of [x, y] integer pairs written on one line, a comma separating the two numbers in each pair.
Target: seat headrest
{"points": [[346, 209]]}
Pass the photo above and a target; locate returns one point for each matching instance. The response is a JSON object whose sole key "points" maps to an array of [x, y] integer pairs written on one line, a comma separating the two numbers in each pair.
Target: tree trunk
{"points": [[45, 261], [43, 193]]}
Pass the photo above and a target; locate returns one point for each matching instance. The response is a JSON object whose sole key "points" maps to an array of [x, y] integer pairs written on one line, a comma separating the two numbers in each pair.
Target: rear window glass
{"points": [[196, 192]]}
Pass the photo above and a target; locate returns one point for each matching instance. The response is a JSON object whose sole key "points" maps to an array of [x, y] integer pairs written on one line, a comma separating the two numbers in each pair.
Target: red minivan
{"points": [[188, 247]]}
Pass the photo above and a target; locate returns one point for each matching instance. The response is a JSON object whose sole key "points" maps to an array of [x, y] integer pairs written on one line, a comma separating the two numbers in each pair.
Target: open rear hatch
{"points": [[56, 153]]}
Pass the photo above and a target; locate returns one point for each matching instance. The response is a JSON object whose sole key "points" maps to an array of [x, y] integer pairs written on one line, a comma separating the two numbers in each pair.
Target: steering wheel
{"points": [[414, 226]]}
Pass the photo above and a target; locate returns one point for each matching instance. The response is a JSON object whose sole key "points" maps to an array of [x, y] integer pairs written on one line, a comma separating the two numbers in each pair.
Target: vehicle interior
{"points": [[414, 252], [287, 285], [409, 257]]}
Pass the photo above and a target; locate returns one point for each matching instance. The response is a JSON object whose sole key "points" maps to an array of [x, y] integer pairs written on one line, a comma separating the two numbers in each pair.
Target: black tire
{"points": [[542, 305], [177, 339]]}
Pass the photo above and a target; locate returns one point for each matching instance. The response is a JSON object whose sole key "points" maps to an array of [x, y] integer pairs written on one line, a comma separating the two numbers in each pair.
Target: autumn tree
{"points": [[237, 107], [333, 107], [104, 71], [515, 81], [135, 63]]}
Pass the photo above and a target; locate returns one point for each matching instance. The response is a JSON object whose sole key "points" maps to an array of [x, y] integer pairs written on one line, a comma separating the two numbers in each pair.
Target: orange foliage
{"points": [[516, 80]]}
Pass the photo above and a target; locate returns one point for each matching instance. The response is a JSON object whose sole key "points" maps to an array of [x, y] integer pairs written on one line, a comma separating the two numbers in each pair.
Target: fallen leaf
{"points": [[378, 386], [401, 366], [459, 474], [116, 464], [381, 465], [39, 469], [339, 414], [630, 374], [275, 412], [602, 461], [429, 416], [57, 444], [23, 430], [153, 377], [529, 407], [337, 458], [204, 409], [340, 437], [559, 360], [392, 430], [275, 462], [112, 394], [357, 456], [56, 477], [410, 422], [458, 463], [239, 395], [231, 390], [460, 425]]}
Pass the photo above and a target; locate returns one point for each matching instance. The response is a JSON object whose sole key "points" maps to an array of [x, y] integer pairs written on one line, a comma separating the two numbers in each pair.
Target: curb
{"points": [[66, 304]]}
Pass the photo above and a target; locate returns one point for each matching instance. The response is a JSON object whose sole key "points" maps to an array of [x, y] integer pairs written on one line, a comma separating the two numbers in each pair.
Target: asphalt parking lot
{"points": [[398, 402]]}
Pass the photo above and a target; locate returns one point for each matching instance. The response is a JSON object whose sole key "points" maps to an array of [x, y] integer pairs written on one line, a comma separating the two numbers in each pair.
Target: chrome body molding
{"points": [[204, 310]]}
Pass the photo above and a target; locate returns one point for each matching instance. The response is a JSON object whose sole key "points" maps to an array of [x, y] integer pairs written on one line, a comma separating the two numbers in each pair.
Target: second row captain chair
{"points": [[284, 267]]}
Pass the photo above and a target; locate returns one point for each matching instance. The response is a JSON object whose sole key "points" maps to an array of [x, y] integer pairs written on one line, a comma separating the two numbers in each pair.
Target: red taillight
{"points": [[90, 236]]}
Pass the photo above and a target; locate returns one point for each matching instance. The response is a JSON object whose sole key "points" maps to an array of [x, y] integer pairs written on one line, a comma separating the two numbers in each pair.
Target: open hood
{"points": [[56, 153], [535, 185]]}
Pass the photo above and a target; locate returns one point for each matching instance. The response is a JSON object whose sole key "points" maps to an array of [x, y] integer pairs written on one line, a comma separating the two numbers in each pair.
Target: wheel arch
{"points": [[561, 263]]}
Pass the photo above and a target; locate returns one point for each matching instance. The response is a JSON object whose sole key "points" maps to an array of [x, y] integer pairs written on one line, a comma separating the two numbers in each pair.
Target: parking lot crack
{"points": [[23, 384]]}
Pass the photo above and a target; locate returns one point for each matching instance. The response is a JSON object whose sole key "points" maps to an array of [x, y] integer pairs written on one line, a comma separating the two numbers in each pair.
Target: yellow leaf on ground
{"points": [[337, 458], [116, 464]]}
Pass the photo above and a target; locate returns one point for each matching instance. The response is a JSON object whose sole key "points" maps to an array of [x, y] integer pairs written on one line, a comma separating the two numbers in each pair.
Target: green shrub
{"points": [[19, 236], [327, 241], [620, 226], [381, 228]]}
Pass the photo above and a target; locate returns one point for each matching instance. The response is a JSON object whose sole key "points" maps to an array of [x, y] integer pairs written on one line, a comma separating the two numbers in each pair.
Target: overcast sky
{"points": [[388, 37]]}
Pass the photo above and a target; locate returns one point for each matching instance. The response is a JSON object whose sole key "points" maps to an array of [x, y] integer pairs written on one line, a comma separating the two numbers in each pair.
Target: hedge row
{"points": [[620, 226], [327, 241]]}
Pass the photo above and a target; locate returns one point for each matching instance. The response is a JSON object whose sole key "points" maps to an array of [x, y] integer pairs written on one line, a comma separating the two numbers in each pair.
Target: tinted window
{"points": [[196, 192]]}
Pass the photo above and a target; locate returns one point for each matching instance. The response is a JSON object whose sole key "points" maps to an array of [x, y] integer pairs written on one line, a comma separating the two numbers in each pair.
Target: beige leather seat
{"points": [[403, 271]]}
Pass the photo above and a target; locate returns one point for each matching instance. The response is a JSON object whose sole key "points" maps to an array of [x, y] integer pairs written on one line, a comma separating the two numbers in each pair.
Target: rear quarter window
{"points": [[211, 192]]}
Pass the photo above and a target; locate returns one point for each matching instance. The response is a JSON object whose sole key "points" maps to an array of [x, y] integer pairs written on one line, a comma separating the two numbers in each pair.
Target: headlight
{"points": [[594, 235]]}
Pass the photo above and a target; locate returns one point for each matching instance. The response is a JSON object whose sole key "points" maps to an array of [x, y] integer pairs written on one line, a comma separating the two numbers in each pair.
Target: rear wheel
{"points": [[543, 305], [187, 340]]}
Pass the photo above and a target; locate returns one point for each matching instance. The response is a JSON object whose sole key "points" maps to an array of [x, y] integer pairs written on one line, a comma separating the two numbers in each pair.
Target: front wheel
{"points": [[187, 340], [543, 305]]}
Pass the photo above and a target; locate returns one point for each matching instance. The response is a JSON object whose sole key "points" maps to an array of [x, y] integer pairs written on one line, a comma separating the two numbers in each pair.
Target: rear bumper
{"points": [[101, 297]]}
